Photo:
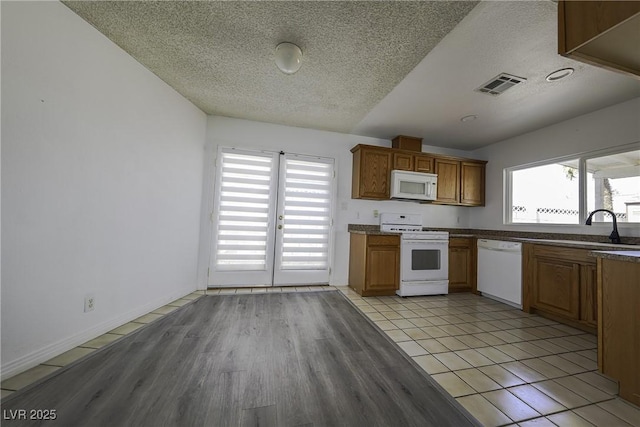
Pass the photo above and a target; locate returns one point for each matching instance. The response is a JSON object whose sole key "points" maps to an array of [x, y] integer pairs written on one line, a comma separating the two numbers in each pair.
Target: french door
{"points": [[271, 219]]}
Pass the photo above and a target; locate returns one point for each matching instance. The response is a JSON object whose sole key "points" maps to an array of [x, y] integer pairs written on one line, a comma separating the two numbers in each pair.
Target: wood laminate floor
{"points": [[287, 359]]}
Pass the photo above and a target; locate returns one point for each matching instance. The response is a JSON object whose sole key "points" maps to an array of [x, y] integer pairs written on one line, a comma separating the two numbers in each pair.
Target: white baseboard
{"points": [[21, 364]]}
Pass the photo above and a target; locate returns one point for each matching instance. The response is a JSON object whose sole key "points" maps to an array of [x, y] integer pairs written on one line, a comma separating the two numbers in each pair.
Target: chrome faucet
{"points": [[614, 236]]}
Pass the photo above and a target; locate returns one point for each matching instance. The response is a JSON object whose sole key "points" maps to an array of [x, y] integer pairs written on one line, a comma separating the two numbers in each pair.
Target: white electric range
{"points": [[424, 255]]}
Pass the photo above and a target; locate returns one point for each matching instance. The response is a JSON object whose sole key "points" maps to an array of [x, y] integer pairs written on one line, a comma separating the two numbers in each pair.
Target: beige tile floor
{"points": [[504, 366]]}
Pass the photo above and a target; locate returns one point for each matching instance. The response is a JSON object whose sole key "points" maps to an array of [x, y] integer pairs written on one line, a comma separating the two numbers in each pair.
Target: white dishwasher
{"points": [[500, 271]]}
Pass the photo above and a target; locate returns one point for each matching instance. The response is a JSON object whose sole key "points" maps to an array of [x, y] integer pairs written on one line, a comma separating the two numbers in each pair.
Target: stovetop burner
{"points": [[410, 225]]}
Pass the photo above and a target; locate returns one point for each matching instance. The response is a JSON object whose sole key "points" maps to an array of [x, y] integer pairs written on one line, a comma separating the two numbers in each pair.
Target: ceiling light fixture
{"points": [[469, 118], [288, 57], [559, 74]]}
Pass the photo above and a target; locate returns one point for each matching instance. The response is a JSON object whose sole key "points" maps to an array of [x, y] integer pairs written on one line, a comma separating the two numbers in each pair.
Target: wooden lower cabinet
{"points": [[618, 284], [374, 264], [589, 295], [462, 264], [559, 283]]}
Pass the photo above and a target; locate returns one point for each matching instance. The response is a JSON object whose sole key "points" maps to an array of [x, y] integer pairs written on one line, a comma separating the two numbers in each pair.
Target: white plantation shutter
{"points": [[306, 213], [245, 204]]}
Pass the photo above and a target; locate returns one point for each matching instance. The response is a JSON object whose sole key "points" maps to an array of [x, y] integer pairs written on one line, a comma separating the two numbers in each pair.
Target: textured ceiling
{"points": [[220, 55], [373, 68], [515, 37]]}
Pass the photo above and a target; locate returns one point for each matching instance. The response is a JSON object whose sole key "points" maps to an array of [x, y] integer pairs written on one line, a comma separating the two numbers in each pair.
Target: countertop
{"points": [[629, 256], [629, 251]]}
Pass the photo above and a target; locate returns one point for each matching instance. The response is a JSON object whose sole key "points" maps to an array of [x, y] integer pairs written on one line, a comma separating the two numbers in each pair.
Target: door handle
{"points": [[279, 226], [281, 217]]}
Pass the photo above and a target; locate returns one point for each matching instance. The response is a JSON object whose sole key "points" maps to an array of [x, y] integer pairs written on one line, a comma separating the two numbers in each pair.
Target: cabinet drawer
{"points": [[375, 240]]}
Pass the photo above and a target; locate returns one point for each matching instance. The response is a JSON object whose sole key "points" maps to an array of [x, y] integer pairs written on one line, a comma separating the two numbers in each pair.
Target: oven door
{"points": [[424, 260]]}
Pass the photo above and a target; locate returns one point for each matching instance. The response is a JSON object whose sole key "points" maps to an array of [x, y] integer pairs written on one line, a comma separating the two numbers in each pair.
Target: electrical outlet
{"points": [[375, 213], [89, 303]]}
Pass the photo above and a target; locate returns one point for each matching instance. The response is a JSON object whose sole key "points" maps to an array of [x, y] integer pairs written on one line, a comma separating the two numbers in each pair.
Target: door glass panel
{"points": [[243, 214], [409, 187], [306, 214], [425, 259]]}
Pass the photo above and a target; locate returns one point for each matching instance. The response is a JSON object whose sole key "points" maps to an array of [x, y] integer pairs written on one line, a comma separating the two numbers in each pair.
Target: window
{"points": [[565, 191], [613, 182]]}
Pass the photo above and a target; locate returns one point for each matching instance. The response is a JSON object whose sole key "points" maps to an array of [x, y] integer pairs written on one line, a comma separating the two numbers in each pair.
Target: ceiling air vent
{"points": [[499, 84]]}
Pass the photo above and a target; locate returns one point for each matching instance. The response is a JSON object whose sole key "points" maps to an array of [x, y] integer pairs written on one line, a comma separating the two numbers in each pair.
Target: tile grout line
{"points": [[564, 333]]}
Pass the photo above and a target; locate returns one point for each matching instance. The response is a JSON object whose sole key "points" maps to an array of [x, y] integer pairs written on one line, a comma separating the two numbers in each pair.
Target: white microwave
{"points": [[407, 185]]}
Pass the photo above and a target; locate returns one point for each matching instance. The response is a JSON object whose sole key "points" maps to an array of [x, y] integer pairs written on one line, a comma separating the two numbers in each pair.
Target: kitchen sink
{"points": [[604, 246]]}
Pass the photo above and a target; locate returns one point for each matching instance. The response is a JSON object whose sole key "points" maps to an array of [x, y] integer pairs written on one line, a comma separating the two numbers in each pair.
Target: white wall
{"points": [[609, 127], [101, 185], [228, 132]]}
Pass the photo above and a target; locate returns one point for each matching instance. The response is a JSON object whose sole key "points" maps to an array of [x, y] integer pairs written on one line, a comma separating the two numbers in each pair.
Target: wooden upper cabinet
{"points": [[370, 176], [448, 172], [422, 163], [460, 181], [602, 33], [472, 177], [403, 161]]}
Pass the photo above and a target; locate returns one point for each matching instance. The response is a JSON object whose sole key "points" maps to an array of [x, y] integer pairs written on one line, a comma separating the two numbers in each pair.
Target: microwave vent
{"points": [[499, 84]]}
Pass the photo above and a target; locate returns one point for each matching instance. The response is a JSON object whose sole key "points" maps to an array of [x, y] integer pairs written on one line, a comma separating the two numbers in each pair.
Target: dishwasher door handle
{"points": [[516, 250]]}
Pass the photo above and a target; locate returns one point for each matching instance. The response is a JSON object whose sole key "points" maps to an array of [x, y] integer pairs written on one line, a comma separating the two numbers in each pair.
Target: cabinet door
{"points": [[371, 168], [402, 161], [472, 183], [588, 295], [459, 260], [601, 33], [556, 286], [448, 180], [462, 264], [383, 263], [423, 163]]}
